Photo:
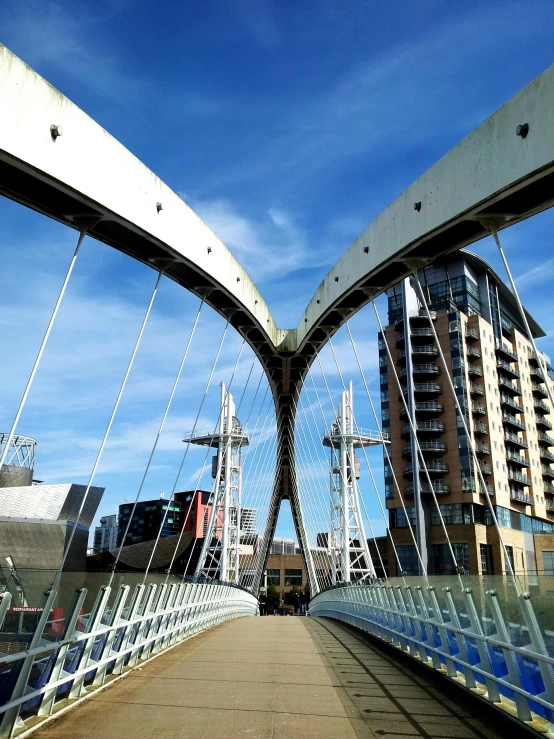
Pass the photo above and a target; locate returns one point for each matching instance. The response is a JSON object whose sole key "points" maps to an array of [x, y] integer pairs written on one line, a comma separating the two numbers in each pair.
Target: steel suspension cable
{"points": [[206, 389], [370, 563], [42, 347], [107, 431], [156, 440], [468, 436], [389, 461], [415, 467], [214, 512], [374, 482], [540, 361]]}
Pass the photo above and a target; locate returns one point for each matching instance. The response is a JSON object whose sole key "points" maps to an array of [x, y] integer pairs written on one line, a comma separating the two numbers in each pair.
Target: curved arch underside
{"points": [[86, 178]]}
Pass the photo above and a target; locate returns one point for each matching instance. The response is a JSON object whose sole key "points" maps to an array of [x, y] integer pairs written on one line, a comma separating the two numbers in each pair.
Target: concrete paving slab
{"points": [[274, 678]]}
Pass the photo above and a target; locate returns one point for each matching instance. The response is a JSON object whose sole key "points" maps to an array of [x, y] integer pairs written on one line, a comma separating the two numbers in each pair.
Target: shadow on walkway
{"points": [[280, 678]]}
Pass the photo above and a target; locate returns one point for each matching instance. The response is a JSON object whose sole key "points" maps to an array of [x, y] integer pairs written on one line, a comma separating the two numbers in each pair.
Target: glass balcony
{"points": [[542, 422], [549, 504], [474, 370], [545, 439], [430, 369], [473, 351], [429, 446], [425, 406], [427, 387], [486, 468], [518, 459], [513, 421], [440, 488], [548, 487], [515, 439], [478, 408], [469, 487], [434, 425], [434, 466], [476, 389], [480, 428], [472, 334], [509, 385], [518, 477], [536, 372], [541, 405], [482, 448], [547, 471], [506, 351], [520, 497], [539, 389], [545, 454], [507, 400], [501, 364]]}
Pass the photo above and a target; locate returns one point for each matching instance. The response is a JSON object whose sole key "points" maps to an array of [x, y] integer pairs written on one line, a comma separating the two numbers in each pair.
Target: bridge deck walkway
{"points": [[279, 678]]}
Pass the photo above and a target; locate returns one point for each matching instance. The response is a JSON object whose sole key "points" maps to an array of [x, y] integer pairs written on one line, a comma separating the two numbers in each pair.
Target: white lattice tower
{"points": [[221, 546], [349, 550]]}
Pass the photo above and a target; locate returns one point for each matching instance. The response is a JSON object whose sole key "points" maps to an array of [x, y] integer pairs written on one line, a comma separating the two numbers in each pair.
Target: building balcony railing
{"points": [[433, 467], [476, 389], [479, 408], [549, 504], [513, 421], [536, 372], [545, 454], [515, 439], [439, 488], [518, 477], [471, 334], [428, 369], [506, 351], [480, 428], [520, 497], [509, 385], [507, 400], [430, 446], [542, 422], [471, 487], [425, 349], [538, 403], [425, 406], [474, 370], [518, 459], [426, 387], [415, 315], [486, 468], [545, 438], [473, 351], [501, 364], [548, 487], [434, 425], [482, 448], [547, 471], [539, 389]]}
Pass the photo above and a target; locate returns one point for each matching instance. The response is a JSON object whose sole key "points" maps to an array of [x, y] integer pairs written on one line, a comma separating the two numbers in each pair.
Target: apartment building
{"points": [[502, 392]]}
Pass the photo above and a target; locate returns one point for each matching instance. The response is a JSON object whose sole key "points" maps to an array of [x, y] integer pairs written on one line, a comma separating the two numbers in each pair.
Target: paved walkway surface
{"points": [[279, 678]]}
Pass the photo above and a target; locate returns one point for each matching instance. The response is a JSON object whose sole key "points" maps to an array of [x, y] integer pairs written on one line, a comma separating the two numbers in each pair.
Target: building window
{"points": [[548, 563], [274, 577], [486, 559], [443, 558], [408, 559], [293, 577], [510, 553]]}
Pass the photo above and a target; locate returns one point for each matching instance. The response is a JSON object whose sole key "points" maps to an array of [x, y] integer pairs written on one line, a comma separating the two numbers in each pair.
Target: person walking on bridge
{"points": [[263, 603]]}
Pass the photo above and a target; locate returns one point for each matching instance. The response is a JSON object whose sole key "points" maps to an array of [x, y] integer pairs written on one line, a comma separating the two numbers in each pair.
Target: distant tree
{"points": [[294, 590], [272, 591]]}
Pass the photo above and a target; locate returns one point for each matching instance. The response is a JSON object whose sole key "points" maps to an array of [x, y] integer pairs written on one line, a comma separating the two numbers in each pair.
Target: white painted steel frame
{"points": [[391, 613], [157, 618]]}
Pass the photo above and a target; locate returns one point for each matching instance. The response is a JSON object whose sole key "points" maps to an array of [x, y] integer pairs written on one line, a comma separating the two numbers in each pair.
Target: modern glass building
{"points": [[502, 393]]}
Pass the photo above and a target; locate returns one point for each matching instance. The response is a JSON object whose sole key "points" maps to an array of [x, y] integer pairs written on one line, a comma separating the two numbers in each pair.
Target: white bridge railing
{"points": [[71, 652], [488, 640]]}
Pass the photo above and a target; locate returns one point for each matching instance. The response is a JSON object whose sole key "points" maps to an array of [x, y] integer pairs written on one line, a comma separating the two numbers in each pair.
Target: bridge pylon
{"points": [[220, 554], [347, 543]]}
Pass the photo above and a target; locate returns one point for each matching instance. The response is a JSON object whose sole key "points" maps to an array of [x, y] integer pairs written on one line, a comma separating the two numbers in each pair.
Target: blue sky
{"points": [[288, 127]]}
